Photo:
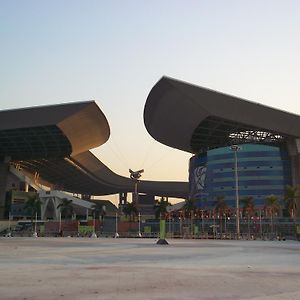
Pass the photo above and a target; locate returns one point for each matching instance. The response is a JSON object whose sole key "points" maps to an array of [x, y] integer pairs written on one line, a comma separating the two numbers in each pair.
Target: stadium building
{"points": [[46, 150], [222, 131]]}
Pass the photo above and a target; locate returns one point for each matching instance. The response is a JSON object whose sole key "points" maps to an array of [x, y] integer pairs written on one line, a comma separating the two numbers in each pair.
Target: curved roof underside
{"points": [[53, 142], [196, 119], [86, 174], [52, 131]]}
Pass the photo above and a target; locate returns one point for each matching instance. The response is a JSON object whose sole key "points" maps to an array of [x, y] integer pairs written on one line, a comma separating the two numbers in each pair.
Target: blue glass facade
{"points": [[262, 170]]}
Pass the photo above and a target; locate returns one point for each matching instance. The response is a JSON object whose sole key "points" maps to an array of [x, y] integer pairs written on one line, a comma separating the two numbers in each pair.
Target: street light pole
{"points": [[35, 226], [59, 229], [9, 225], [116, 234], [136, 195], [94, 235], [202, 222], [260, 225], [139, 234], [235, 149]]}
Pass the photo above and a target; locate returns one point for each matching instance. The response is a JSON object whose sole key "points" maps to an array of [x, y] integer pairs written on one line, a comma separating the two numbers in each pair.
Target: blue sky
{"points": [[115, 51]]}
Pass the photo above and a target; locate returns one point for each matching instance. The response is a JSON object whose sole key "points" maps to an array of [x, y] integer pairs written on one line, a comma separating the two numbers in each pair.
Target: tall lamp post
{"points": [[116, 234], [139, 234], [35, 227], [135, 176], [94, 235], [235, 149]]}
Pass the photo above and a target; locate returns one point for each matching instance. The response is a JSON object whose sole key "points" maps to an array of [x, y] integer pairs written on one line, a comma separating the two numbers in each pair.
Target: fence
{"points": [[206, 228]]}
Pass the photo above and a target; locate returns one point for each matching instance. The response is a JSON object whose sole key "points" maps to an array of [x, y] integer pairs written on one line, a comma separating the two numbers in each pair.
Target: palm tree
{"points": [[130, 210], [160, 207], [189, 209], [273, 206], [291, 198], [248, 209], [220, 204], [99, 210], [248, 205], [66, 207], [33, 205], [221, 207]]}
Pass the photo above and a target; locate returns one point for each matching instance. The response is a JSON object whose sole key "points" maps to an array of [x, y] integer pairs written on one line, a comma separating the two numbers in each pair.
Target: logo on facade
{"points": [[199, 176]]}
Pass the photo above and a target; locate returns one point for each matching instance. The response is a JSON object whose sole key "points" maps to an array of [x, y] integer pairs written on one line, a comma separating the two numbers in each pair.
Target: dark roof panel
{"points": [[192, 118]]}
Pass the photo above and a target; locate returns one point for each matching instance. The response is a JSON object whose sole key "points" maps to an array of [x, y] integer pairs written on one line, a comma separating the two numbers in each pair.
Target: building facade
{"points": [[262, 170]]}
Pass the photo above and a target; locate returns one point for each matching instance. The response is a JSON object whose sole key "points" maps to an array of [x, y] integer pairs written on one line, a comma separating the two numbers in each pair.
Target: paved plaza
{"points": [[82, 268]]}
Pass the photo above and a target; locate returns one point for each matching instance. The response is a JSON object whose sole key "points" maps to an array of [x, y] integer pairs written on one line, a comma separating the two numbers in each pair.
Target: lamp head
{"points": [[135, 174], [235, 147]]}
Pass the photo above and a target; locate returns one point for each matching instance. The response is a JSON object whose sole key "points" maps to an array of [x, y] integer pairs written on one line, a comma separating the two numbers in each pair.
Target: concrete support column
{"points": [[56, 202], [44, 204]]}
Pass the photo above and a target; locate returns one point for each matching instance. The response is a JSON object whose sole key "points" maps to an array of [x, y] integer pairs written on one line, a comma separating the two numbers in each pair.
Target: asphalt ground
{"points": [[102, 268]]}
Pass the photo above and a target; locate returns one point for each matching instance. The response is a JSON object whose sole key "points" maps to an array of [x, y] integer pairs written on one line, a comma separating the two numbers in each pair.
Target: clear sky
{"points": [[115, 51]]}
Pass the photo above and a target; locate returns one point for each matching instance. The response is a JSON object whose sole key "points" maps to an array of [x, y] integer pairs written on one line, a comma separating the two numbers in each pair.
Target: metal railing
{"points": [[280, 228]]}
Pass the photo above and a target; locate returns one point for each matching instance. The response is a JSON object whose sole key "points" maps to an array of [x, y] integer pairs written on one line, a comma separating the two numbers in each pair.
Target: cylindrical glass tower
{"points": [[262, 170]]}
